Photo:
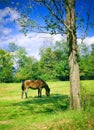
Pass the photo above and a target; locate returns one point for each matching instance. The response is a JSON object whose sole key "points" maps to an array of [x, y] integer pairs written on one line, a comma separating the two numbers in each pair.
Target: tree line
{"points": [[16, 65]]}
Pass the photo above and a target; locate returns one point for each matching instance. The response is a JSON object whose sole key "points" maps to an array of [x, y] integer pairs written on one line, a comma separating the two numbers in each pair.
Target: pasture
{"points": [[46, 113]]}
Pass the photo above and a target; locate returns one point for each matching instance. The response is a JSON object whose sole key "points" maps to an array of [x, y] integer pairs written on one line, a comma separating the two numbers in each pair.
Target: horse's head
{"points": [[48, 92]]}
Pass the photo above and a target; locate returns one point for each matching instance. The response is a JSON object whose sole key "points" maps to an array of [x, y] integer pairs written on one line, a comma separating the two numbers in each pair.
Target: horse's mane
{"points": [[41, 80], [47, 87]]}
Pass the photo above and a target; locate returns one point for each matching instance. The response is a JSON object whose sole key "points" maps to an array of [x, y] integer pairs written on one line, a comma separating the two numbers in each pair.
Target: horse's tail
{"points": [[23, 85]]}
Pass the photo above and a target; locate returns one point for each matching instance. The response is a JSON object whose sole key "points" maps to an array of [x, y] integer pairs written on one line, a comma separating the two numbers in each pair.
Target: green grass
{"points": [[46, 113]]}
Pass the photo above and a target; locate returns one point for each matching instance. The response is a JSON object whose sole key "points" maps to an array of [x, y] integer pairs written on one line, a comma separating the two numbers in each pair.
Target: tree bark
{"points": [[73, 55]]}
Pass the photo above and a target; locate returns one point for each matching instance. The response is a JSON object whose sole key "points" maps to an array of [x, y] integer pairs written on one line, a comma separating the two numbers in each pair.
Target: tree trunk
{"points": [[73, 55]]}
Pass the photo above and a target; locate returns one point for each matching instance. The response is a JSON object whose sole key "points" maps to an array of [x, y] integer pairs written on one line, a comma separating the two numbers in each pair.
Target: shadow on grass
{"points": [[53, 103]]}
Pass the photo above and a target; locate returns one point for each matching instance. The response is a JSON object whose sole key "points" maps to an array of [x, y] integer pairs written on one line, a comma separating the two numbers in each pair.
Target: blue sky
{"points": [[9, 30]]}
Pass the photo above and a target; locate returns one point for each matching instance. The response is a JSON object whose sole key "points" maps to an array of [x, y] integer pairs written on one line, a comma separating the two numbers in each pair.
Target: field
{"points": [[46, 113]]}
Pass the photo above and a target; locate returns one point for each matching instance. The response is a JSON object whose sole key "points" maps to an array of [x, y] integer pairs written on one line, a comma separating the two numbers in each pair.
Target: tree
{"points": [[21, 57], [84, 58], [47, 64], [56, 22], [86, 61], [25, 66], [53, 62], [73, 54], [61, 66], [12, 47], [90, 63], [6, 67]]}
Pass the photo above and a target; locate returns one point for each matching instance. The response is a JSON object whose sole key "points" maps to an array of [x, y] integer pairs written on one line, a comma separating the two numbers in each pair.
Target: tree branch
{"points": [[53, 13]]}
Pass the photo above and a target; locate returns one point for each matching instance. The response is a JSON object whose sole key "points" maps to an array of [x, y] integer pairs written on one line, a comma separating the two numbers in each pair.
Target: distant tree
{"points": [[53, 62], [47, 62], [21, 56], [91, 61], [12, 47], [6, 67], [61, 66], [86, 61], [92, 48], [84, 50], [26, 66]]}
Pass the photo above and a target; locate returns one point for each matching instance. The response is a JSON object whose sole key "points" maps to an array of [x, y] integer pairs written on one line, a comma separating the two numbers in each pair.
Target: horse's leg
{"points": [[39, 92], [22, 94], [26, 91]]}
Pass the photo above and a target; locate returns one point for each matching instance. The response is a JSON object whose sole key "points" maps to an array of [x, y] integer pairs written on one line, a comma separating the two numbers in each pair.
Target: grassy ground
{"points": [[46, 113]]}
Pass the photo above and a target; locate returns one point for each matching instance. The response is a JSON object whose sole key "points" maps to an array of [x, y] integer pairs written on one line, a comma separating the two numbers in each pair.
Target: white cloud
{"points": [[6, 31], [32, 42], [88, 40], [7, 16]]}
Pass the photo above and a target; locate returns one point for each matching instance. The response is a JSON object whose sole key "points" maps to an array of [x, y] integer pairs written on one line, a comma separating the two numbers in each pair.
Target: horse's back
{"points": [[38, 81], [41, 83], [26, 83]]}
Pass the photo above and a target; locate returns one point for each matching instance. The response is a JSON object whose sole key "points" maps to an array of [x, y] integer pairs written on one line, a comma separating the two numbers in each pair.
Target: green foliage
{"points": [[21, 57], [6, 67], [26, 66], [53, 62], [86, 63], [87, 100]]}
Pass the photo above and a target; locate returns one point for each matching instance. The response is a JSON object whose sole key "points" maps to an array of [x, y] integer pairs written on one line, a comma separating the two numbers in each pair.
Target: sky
{"points": [[10, 30]]}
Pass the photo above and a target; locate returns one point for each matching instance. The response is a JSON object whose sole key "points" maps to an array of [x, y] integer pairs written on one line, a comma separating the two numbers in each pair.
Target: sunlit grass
{"points": [[46, 113]]}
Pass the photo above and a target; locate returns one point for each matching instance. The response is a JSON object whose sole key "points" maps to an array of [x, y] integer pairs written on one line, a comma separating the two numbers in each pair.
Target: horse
{"points": [[36, 84]]}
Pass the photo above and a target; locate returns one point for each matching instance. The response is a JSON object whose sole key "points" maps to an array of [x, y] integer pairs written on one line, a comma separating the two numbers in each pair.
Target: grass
{"points": [[46, 113]]}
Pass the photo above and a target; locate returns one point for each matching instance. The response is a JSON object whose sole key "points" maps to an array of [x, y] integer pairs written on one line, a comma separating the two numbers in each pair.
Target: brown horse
{"points": [[36, 84]]}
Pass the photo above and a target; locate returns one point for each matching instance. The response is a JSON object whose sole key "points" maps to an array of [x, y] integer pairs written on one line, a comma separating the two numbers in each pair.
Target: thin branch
{"points": [[87, 25], [53, 13], [58, 11]]}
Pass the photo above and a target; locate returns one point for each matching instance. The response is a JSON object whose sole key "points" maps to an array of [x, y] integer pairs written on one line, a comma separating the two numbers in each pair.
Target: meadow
{"points": [[46, 113]]}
